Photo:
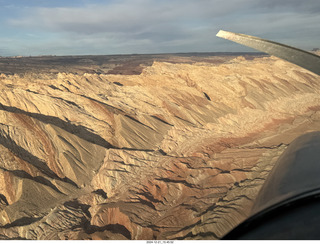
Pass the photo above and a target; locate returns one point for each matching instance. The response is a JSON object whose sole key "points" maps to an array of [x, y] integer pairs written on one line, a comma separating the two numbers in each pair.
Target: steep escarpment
{"points": [[176, 152]]}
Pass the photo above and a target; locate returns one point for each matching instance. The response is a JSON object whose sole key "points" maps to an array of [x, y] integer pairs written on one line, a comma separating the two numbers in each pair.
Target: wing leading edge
{"points": [[294, 55]]}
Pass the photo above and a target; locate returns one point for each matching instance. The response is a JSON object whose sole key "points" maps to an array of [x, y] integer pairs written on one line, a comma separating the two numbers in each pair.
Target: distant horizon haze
{"points": [[144, 54]]}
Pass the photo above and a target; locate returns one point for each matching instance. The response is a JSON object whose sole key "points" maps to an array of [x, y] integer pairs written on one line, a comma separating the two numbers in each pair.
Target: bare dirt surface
{"points": [[143, 146], [106, 64]]}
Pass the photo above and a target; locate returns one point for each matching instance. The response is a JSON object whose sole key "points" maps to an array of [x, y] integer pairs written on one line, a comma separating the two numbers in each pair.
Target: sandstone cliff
{"points": [[177, 152]]}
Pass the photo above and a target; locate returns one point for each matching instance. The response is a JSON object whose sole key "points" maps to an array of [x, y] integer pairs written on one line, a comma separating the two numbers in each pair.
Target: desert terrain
{"points": [[171, 146]]}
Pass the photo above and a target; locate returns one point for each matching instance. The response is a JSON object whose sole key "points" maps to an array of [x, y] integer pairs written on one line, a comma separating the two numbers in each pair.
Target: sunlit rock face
{"points": [[179, 151]]}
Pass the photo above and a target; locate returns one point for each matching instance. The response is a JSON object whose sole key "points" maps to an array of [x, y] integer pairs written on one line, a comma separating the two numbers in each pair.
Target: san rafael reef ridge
{"points": [[143, 147]]}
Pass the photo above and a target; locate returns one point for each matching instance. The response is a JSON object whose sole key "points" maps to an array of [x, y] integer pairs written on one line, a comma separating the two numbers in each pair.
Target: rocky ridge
{"points": [[176, 152]]}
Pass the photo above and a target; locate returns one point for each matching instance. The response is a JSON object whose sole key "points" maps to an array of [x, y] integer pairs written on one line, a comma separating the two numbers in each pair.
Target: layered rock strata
{"points": [[176, 152]]}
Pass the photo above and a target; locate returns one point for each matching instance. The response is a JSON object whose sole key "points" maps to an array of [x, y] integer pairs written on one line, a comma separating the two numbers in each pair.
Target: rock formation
{"points": [[176, 152]]}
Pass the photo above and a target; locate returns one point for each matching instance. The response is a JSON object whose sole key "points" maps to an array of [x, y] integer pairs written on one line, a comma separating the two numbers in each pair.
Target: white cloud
{"points": [[118, 17], [169, 25]]}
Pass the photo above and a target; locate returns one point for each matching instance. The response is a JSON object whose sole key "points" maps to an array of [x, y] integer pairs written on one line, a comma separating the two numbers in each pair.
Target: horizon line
{"points": [[132, 54]]}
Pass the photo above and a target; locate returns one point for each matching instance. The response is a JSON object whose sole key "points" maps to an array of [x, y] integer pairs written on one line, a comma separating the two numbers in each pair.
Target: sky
{"points": [[101, 27]]}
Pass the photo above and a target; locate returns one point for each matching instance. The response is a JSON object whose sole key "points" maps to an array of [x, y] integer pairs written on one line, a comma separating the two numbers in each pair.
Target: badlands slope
{"points": [[179, 151]]}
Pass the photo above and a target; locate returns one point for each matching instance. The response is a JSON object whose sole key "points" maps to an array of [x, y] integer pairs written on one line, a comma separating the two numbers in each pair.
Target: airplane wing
{"points": [[294, 55]]}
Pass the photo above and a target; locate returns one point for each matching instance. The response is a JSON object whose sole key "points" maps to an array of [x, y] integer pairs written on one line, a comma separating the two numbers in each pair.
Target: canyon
{"points": [[143, 147]]}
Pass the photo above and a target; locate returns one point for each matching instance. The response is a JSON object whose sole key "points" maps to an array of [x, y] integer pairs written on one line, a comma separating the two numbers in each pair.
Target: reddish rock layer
{"points": [[177, 152]]}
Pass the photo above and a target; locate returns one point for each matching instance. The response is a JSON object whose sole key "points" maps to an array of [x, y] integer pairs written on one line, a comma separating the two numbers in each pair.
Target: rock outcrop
{"points": [[176, 152]]}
